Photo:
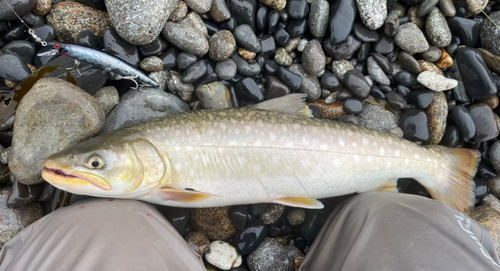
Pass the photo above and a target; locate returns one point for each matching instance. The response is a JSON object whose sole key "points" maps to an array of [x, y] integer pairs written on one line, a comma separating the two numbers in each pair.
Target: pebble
{"points": [[268, 46], [328, 111], [475, 6], [342, 16], [251, 237], [415, 125], [194, 20], [107, 98], [22, 195], [214, 96], [139, 106], [178, 87], [245, 37], [356, 83], [495, 156], [310, 83], [282, 57], [491, 201], [437, 29], [246, 54], [213, 222], [411, 39], [484, 121], [152, 64], [490, 38], [21, 8], [16, 219], [353, 106], [318, 18], [13, 68], [428, 66], [492, 102], [312, 224], [426, 6], [396, 101], [463, 121], [46, 117], [489, 219], [118, 47], [475, 74], [275, 88], [372, 13], [385, 45], [435, 81], [248, 89], [42, 7], [491, 60], [85, 38], [198, 241], [409, 63], [391, 24], [245, 68], [274, 4], [186, 38], [199, 6], [466, 30], [161, 77], [433, 54], [297, 9], [340, 67], [272, 213], [82, 17], [291, 79], [222, 255], [270, 255], [195, 71], [364, 34], [376, 73], [185, 59], [292, 44], [313, 57], [445, 61], [437, 113], [296, 28], [139, 22], [244, 10], [226, 69], [447, 7], [179, 12], [343, 50]]}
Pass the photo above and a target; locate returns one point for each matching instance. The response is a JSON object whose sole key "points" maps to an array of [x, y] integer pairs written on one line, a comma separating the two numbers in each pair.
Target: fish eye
{"points": [[95, 162]]}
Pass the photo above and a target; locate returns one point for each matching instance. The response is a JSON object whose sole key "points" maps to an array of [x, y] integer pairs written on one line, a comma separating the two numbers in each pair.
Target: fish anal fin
{"points": [[182, 195], [289, 104], [308, 203], [389, 186]]}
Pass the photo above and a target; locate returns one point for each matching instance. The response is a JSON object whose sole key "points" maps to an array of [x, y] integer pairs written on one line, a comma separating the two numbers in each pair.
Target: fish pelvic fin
{"points": [[389, 186], [294, 104], [308, 203], [185, 196], [456, 188]]}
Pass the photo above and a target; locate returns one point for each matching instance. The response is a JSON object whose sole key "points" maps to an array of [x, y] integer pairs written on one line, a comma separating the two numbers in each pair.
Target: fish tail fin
{"points": [[456, 187]]}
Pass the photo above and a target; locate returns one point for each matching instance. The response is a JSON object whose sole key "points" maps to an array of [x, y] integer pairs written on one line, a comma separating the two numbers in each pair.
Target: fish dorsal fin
{"points": [[289, 104]]}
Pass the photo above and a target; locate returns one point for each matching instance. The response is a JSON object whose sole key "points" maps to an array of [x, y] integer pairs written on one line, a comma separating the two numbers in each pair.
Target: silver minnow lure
{"points": [[104, 61]]}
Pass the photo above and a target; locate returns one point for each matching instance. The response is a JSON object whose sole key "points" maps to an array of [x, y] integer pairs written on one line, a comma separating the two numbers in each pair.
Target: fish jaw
{"points": [[63, 177]]}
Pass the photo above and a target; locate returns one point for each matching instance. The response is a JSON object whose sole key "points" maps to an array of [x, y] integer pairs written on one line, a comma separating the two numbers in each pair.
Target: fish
{"points": [[104, 61], [271, 152]]}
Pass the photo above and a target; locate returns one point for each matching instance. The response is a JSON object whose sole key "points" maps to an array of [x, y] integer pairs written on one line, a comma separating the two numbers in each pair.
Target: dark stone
{"points": [[246, 38], [212, 27], [313, 223], [22, 48], [271, 67], [22, 195], [384, 45], [357, 83], [403, 90], [155, 48], [272, 21], [206, 79], [349, 119], [14, 33], [363, 52], [21, 8], [481, 188], [248, 89], [13, 68], [245, 68], [256, 209], [452, 49], [275, 88], [179, 218], [341, 21], [415, 125], [243, 11], [297, 28], [364, 34], [169, 58], [329, 80], [261, 18], [185, 59], [280, 228], [281, 37], [425, 7], [377, 93], [422, 98], [484, 121], [46, 32], [463, 121], [3, 26], [405, 78], [87, 38], [383, 62], [268, 47], [344, 94], [195, 71], [486, 171], [297, 9], [353, 106], [465, 29], [451, 136], [118, 47], [229, 24], [292, 80], [97, 4], [249, 239], [396, 100], [343, 50], [238, 214], [475, 74]]}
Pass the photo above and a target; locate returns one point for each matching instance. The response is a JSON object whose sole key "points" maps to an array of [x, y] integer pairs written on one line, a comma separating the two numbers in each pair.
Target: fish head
{"points": [[103, 169]]}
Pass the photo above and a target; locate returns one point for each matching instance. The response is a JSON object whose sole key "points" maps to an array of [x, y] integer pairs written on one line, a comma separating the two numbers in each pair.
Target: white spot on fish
{"points": [[233, 143], [248, 128], [192, 172], [389, 165], [189, 148], [397, 153], [177, 148], [417, 156], [354, 145], [337, 162], [260, 123], [365, 141], [272, 136], [370, 159], [178, 166], [237, 131], [357, 158], [341, 142], [407, 161], [223, 126], [257, 143], [289, 144], [382, 151], [324, 147], [284, 128]]}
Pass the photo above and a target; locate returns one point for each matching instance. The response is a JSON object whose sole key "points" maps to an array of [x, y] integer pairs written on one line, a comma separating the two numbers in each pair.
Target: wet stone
{"points": [[194, 20], [199, 6], [155, 48], [391, 24], [184, 60], [492, 102], [475, 74], [22, 195], [329, 80], [425, 7], [435, 81], [21, 8], [339, 68], [495, 158], [282, 57], [179, 88], [84, 17], [428, 66], [433, 54], [226, 69], [248, 89], [356, 83], [318, 18], [179, 12], [13, 68], [372, 13], [44, 137], [415, 125], [384, 45], [261, 18], [275, 88], [353, 106], [118, 47], [198, 242], [245, 37], [213, 222], [484, 121], [214, 96], [186, 38], [437, 113], [411, 39], [297, 9], [86, 38], [223, 255], [244, 11], [274, 4], [269, 255], [463, 121], [447, 7], [139, 106], [451, 136], [342, 16], [310, 83], [329, 111], [396, 101], [238, 214], [437, 29], [376, 73], [291, 79], [490, 38], [296, 217], [107, 98], [296, 28], [343, 50], [281, 36], [364, 34], [466, 30], [195, 71], [491, 60], [152, 64], [421, 98], [409, 63], [272, 213]]}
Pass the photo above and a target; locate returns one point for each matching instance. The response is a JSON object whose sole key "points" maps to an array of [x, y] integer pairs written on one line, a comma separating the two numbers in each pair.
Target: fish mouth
{"points": [[61, 176]]}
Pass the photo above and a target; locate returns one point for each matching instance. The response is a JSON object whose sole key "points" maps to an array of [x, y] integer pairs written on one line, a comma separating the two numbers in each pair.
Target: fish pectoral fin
{"points": [[308, 203], [290, 104], [182, 195], [389, 186]]}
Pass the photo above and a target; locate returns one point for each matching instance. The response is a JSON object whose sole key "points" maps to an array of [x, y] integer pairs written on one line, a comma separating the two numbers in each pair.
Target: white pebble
{"points": [[222, 255], [397, 131], [435, 81], [369, 79], [302, 45]]}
